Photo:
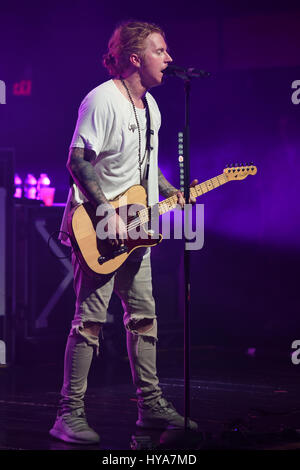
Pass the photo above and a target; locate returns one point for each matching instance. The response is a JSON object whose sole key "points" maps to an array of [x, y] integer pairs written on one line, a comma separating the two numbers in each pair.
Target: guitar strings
{"points": [[136, 222], [167, 204], [170, 202]]}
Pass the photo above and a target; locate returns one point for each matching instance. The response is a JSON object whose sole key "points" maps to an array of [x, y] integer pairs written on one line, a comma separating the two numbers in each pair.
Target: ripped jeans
{"points": [[133, 284]]}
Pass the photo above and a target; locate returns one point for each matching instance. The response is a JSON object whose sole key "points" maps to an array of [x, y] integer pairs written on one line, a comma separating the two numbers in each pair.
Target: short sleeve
{"points": [[90, 127]]}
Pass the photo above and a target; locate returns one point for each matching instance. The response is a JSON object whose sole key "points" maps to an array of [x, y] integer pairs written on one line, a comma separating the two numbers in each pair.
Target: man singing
{"points": [[108, 154]]}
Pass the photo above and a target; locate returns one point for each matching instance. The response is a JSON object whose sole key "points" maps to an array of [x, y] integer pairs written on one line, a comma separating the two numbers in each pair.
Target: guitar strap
{"points": [[149, 138]]}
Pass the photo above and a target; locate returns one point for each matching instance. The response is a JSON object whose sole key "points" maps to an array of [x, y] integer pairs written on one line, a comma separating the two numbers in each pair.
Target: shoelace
{"points": [[76, 421], [164, 407]]}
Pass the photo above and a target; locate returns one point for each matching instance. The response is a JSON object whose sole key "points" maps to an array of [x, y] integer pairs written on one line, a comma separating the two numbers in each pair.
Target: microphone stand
{"points": [[187, 282], [186, 75]]}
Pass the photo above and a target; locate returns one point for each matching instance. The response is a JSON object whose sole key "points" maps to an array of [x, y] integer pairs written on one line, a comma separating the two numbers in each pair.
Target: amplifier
{"points": [[7, 256], [45, 300]]}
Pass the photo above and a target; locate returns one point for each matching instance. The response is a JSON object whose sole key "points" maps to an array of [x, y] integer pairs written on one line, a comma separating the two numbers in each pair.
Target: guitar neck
{"points": [[171, 202], [198, 190]]}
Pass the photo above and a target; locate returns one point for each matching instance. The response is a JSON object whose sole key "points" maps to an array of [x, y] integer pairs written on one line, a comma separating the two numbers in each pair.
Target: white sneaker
{"points": [[73, 427], [163, 416]]}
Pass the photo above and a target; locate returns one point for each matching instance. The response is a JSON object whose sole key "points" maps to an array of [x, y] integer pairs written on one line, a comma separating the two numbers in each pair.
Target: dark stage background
{"points": [[245, 280]]}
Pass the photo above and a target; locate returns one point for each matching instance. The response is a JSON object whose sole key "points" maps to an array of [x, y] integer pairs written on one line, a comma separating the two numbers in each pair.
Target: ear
{"points": [[135, 60]]}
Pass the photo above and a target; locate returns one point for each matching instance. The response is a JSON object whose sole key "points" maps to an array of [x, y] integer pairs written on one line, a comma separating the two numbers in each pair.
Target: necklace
{"points": [[138, 126]]}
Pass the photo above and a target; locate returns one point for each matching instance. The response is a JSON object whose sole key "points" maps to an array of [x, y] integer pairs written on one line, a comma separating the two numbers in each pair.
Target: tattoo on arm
{"points": [[84, 175], [165, 188]]}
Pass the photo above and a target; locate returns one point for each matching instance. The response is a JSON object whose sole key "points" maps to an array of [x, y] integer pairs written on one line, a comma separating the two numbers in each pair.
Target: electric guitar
{"points": [[98, 256]]}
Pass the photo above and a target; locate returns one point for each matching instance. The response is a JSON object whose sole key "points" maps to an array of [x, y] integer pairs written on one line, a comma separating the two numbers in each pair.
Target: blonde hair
{"points": [[128, 38]]}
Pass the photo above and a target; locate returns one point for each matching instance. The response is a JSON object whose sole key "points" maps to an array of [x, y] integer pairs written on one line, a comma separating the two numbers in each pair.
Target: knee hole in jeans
{"points": [[92, 328], [141, 326]]}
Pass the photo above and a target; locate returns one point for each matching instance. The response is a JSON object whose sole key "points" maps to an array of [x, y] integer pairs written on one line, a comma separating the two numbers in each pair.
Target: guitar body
{"points": [[97, 256], [89, 248]]}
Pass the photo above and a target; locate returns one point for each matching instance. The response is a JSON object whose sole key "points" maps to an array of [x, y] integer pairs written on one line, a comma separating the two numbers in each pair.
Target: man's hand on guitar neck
{"points": [[180, 195], [166, 189]]}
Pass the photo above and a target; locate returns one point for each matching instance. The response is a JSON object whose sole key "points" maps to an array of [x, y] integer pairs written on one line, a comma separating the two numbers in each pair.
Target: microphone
{"points": [[185, 73]]}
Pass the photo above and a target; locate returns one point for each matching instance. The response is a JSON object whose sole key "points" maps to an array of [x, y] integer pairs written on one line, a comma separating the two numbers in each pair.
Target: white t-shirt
{"points": [[106, 124]]}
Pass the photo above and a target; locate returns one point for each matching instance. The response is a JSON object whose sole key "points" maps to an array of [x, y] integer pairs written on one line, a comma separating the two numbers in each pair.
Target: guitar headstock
{"points": [[239, 172]]}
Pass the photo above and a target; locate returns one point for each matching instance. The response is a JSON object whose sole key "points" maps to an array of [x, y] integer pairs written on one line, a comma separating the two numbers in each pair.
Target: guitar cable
{"points": [[52, 237]]}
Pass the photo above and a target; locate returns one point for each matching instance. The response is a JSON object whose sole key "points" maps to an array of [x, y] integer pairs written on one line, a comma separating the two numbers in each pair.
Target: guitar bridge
{"points": [[119, 251]]}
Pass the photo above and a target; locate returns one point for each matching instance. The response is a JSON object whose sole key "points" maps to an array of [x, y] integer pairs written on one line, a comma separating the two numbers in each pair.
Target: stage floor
{"points": [[240, 400]]}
